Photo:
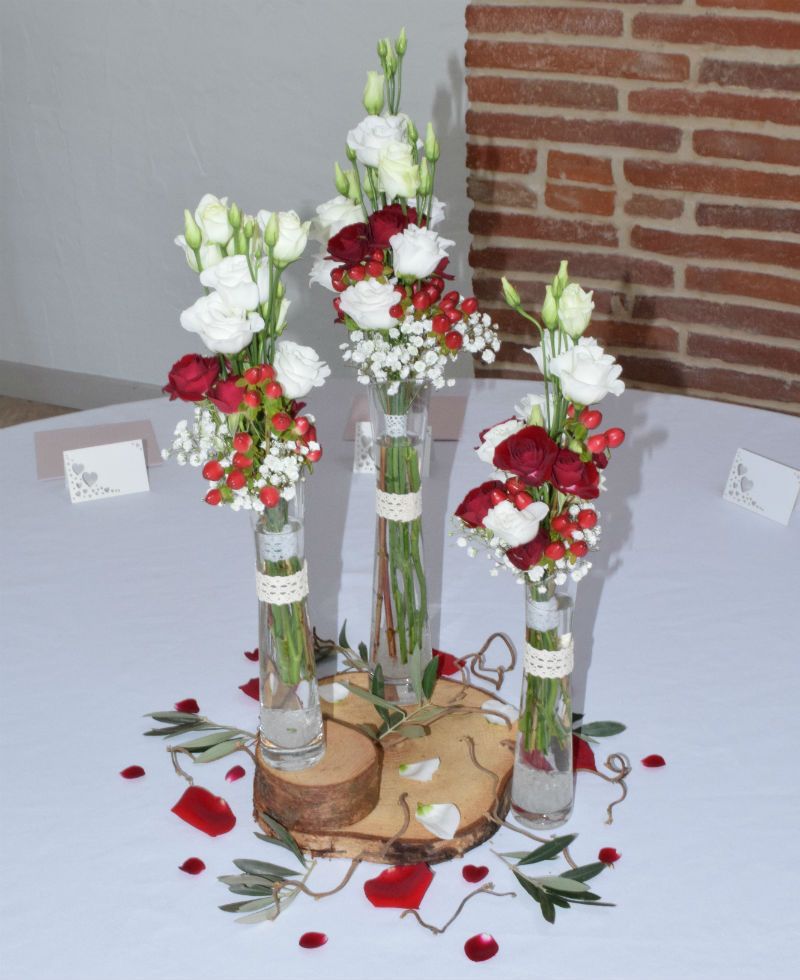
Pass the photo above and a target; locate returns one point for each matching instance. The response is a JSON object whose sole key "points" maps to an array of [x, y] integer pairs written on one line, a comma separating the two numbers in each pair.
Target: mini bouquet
{"points": [[537, 517]]}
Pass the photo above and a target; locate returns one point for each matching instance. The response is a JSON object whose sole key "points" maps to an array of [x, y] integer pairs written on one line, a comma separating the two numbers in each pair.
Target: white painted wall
{"points": [[116, 114]]}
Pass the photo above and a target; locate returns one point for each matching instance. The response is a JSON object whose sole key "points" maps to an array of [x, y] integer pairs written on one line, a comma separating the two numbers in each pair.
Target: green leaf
{"points": [[427, 714], [263, 868], [219, 751], [363, 652], [558, 900], [282, 836], [375, 699], [602, 729], [585, 871], [250, 891], [549, 850], [273, 911], [370, 731], [343, 636], [412, 731], [568, 886], [206, 740], [254, 905], [376, 685], [175, 717], [548, 909], [246, 881], [429, 679], [178, 729]]}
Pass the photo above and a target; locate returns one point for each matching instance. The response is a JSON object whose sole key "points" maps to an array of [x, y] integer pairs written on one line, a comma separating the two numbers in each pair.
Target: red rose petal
{"points": [[474, 872], [608, 855], [233, 774], [189, 705], [251, 688], [535, 759], [654, 761], [132, 772], [312, 940], [201, 809], [447, 664], [399, 888], [582, 755], [481, 947], [251, 654], [192, 866]]}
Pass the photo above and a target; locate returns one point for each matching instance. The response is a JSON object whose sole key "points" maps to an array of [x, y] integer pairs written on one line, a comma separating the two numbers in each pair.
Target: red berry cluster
{"points": [[590, 418], [564, 526]]}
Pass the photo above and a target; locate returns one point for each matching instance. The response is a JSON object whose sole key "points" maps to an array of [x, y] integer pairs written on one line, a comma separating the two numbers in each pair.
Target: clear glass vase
{"points": [[400, 638], [542, 790], [291, 735]]}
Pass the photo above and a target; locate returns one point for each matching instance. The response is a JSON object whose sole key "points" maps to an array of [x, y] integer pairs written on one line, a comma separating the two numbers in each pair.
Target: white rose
{"points": [[321, 271], [292, 235], [209, 254], [515, 527], [223, 330], [552, 339], [212, 219], [575, 310], [298, 369], [586, 373], [398, 175], [418, 251], [368, 303], [374, 133], [437, 210], [232, 279], [334, 215], [491, 438], [533, 405]]}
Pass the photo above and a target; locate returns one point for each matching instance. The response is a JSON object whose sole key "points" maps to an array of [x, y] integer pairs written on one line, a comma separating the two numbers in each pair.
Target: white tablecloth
{"points": [[686, 630]]}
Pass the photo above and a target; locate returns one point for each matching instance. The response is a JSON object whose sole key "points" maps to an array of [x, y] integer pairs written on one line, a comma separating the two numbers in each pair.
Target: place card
{"points": [[105, 471], [763, 486], [51, 443]]}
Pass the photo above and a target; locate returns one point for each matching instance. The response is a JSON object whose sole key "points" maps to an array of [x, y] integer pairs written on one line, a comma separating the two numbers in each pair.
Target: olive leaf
{"points": [[282, 837], [343, 636], [429, 678], [602, 729], [549, 850]]}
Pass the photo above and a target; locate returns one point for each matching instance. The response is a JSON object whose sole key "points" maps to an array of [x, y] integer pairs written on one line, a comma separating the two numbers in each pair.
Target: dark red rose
{"points": [[350, 245], [227, 395], [572, 475], [191, 377], [525, 556], [389, 221], [476, 505], [529, 454]]}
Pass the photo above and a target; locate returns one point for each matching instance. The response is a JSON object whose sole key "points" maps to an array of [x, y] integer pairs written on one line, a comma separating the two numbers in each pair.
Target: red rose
{"points": [[350, 245], [389, 221], [227, 395], [529, 454], [572, 475], [525, 556], [476, 505], [191, 377]]}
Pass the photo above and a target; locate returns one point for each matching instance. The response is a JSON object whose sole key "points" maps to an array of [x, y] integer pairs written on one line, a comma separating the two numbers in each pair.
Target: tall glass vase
{"points": [[542, 789], [291, 735], [400, 636]]}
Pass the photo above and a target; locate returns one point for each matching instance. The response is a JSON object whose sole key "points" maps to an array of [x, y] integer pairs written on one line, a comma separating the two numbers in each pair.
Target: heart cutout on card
{"points": [[77, 468], [747, 485], [89, 479], [741, 469]]}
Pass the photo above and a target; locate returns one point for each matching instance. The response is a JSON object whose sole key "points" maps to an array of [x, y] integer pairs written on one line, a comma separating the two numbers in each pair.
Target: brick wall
{"points": [[656, 145]]}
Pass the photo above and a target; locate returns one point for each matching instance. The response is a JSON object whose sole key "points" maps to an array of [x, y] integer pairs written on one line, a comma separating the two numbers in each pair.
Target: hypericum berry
{"points": [[515, 485], [242, 441], [400, 290], [356, 273], [451, 297], [440, 323], [454, 316], [591, 418], [337, 305], [311, 435], [421, 301], [314, 455], [555, 550], [375, 268], [377, 255], [281, 421], [587, 519], [242, 462], [570, 411], [213, 470], [579, 548], [340, 285], [396, 311], [497, 497], [560, 523], [337, 274], [252, 375], [267, 372], [571, 528], [273, 390], [453, 340], [615, 437], [432, 293], [522, 500], [301, 425], [469, 305], [252, 399], [269, 496], [213, 497], [596, 444], [438, 282], [235, 480]]}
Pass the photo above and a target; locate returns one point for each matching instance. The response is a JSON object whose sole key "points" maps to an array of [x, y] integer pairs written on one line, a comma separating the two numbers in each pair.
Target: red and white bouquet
{"points": [[249, 432]]}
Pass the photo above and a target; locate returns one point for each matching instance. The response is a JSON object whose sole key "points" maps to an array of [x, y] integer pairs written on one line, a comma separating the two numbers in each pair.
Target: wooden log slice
{"points": [[454, 739]]}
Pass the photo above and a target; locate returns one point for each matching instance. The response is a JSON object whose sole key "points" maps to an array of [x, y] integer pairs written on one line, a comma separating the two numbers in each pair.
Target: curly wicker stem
{"points": [[487, 889]]}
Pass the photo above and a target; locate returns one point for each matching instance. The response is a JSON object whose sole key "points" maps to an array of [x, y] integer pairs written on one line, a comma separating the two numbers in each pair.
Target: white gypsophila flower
{"points": [[417, 252], [398, 175], [574, 310], [373, 134], [292, 235], [210, 254], [232, 279], [224, 330], [586, 373], [298, 369], [332, 216], [368, 303], [211, 217], [515, 527], [491, 438]]}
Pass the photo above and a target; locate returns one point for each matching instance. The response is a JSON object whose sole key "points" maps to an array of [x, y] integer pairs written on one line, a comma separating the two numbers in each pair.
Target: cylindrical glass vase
{"points": [[291, 735], [542, 790], [400, 640]]}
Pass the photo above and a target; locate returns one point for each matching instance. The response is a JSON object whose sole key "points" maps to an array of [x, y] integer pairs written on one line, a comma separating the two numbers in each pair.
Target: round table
{"points": [[685, 630]]}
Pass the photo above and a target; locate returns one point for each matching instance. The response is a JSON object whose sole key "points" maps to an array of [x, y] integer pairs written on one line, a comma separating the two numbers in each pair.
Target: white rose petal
{"points": [[418, 251], [422, 771], [321, 271], [587, 374], [499, 708], [224, 330], [398, 175], [298, 369], [232, 279], [334, 215], [209, 254], [492, 438], [211, 217], [292, 235], [374, 133], [555, 338], [515, 527], [441, 819], [333, 692], [368, 303]]}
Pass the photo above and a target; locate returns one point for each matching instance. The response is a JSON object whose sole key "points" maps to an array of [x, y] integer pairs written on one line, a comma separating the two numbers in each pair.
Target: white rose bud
{"points": [[550, 310], [374, 133], [586, 373], [298, 369], [491, 438], [417, 252], [292, 235], [192, 234], [368, 303], [224, 330], [209, 254], [373, 93], [515, 527], [232, 280], [398, 175], [574, 310], [212, 219]]}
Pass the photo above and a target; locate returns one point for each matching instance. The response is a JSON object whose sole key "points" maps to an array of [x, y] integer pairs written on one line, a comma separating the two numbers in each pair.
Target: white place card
{"points": [[105, 471], [763, 486]]}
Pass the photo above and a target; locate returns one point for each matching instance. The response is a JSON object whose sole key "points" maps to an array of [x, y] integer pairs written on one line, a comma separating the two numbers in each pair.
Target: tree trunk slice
{"points": [[476, 793]]}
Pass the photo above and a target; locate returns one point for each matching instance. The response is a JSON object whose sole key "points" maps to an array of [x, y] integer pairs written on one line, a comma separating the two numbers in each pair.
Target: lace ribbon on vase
{"points": [[550, 663], [543, 616], [280, 590], [398, 506], [396, 425]]}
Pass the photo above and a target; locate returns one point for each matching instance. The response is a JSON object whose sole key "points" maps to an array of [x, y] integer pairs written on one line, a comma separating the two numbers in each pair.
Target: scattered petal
{"points": [[189, 705], [481, 947], [441, 819], [235, 773], [422, 771], [608, 855], [499, 708], [251, 654], [201, 809], [582, 755], [399, 888], [132, 772], [251, 688], [654, 761], [333, 692], [535, 759], [447, 664], [312, 940], [474, 873], [192, 866]]}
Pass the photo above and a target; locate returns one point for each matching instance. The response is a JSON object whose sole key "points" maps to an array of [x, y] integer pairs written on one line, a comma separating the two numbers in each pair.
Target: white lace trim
{"points": [[278, 546], [543, 616], [280, 590], [398, 506], [550, 663], [396, 425]]}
